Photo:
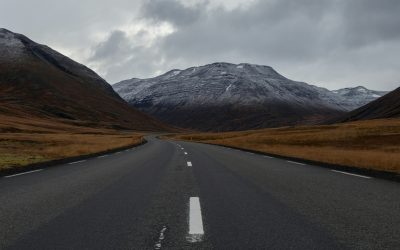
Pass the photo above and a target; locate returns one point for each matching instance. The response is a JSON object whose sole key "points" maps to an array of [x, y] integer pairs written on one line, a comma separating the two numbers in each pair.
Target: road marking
{"points": [[266, 156], [298, 163], [161, 237], [196, 231], [185, 153], [28, 172], [75, 162], [102, 156], [117, 153], [357, 175], [189, 164]]}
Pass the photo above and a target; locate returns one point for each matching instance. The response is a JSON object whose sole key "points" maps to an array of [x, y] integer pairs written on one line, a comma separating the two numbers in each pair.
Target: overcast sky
{"points": [[329, 43]]}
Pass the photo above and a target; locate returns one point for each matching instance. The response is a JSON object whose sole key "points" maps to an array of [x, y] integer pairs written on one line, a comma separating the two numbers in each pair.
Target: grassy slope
{"points": [[373, 144], [30, 140]]}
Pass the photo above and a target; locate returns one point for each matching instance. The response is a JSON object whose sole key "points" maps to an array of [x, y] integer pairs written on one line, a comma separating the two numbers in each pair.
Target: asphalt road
{"points": [[181, 195]]}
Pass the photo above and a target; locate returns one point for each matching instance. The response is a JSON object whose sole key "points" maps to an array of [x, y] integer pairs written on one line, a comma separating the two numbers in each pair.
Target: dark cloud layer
{"points": [[331, 43], [172, 11]]}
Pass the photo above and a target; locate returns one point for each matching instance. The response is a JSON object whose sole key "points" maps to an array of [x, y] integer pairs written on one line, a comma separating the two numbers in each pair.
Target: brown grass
{"points": [[25, 141], [373, 144]]}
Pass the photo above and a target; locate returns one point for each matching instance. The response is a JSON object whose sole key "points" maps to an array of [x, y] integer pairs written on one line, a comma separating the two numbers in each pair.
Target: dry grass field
{"points": [[24, 141], [373, 144]]}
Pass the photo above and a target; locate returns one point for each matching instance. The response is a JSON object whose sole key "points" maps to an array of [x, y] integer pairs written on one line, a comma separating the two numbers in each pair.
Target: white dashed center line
{"points": [[357, 175], [158, 244], [298, 163], [196, 230], [28, 172], [75, 162], [185, 153], [189, 163]]}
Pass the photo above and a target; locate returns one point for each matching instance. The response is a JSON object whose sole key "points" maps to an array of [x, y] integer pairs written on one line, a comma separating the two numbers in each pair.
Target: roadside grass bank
{"points": [[26, 142], [373, 144]]}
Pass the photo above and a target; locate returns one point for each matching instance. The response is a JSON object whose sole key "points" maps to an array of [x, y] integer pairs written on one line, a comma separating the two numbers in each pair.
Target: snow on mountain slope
{"points": [[224, 96], [218, 83], [353, 98], [214, 96], [387, 106]]}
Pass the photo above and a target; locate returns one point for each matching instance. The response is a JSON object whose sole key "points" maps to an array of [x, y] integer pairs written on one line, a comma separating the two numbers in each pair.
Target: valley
{"points": [[219, 156]]}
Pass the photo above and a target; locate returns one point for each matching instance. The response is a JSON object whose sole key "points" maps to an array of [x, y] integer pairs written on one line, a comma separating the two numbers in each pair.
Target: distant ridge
{"points": [[387, 106]]}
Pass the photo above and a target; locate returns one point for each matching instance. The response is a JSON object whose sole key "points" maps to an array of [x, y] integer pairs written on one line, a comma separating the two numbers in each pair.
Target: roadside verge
{"points": [[46, 164]]}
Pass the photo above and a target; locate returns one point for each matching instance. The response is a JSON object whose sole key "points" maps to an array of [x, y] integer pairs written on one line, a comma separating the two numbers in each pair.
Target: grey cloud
{"points": [[118, 57], [289, 34], [266, 31], [331, 43], [115, 46], [368, 21], [172, 11], [64, 23]]}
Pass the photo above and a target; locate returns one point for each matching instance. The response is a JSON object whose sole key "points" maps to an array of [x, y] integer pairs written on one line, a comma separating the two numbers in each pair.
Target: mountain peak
{"points": [[11, 45], [3, 30], [242, 96], [361, 89], [359, 96], [224, 69], [6, 34], [247, 95]]}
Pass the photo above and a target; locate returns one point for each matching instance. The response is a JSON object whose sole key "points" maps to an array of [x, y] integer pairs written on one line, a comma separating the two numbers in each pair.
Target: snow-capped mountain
{"points": [[353, 98], [224, 96], [387, 106]]}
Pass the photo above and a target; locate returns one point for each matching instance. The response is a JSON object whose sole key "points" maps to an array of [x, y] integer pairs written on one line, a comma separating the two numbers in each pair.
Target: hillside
{"points": [[36, 81]]}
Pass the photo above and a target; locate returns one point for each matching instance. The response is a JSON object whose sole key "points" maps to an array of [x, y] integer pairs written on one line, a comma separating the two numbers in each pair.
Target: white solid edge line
{"points": [[28, 172], [357, 175], [189, 163], [298, 163], [75, 162], [102, 156], [266, 156], [196, 230]]}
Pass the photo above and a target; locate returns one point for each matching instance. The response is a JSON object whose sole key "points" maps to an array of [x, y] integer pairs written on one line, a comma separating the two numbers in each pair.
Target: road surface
{"points": [[182, 195]]}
